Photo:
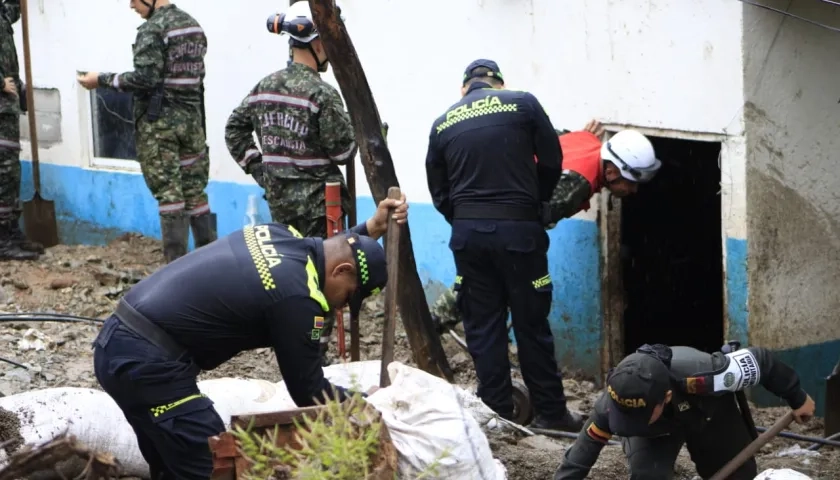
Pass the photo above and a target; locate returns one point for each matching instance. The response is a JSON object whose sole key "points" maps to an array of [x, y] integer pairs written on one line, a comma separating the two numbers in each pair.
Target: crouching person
{"points": [[660, 398], [263, 286]]}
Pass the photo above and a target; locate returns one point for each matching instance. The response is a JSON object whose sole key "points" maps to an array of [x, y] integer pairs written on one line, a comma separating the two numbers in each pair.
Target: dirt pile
{"points": [[89, 280], [10, 438]]}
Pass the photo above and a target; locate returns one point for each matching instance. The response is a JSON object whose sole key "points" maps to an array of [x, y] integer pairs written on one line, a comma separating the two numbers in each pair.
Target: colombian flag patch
{"points": [[318, 323], [597, 434]]}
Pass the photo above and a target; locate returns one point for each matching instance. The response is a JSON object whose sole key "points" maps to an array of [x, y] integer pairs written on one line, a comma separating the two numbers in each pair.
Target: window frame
{"points": [[85, 100]]}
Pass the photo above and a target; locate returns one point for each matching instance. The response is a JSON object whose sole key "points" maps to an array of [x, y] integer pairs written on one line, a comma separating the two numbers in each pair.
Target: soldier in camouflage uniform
{"points": [[619, 165], [13, 243], [302, 127], [304, 132], [167, 83]]}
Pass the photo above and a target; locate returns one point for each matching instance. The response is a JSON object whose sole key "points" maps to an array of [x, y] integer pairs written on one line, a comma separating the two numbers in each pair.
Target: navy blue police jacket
{"points": [[255, 288], [481, 152]]}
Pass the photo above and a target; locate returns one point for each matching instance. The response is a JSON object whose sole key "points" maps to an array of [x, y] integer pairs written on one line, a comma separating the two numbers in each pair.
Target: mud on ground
{"points": [[86, 280]]}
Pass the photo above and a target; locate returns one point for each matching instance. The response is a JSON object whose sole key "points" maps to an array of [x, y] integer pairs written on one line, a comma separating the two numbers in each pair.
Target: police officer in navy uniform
{"points": [[263, 286], [660, 398], [483, 179]]}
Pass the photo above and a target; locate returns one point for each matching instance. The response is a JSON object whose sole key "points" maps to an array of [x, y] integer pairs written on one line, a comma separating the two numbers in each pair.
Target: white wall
{"points": [[669, 64], [793, 136]]}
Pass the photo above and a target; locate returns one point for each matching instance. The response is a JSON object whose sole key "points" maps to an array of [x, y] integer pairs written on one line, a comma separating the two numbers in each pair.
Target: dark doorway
{"points": [[672, 253]]}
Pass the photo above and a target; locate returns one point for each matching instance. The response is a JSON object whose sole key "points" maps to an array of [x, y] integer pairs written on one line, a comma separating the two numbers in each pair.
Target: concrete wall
{"points": [[635, 62], [790, 81]]}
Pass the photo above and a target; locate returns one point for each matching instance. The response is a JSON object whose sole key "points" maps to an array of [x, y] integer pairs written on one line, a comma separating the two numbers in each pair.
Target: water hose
{"points": [[47, 317], [804, 438]]}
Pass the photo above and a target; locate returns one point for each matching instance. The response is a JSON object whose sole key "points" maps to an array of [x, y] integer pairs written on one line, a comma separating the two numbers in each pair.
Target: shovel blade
{"points": [[832, 404], [39, 221]]}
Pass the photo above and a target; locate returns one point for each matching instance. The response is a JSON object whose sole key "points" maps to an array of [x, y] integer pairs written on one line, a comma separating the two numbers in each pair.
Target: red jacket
{"points": [[582, 155]]}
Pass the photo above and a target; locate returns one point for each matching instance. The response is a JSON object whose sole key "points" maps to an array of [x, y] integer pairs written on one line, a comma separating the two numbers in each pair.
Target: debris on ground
{"points": [[34, 459], [10, 438], [88, 281]]}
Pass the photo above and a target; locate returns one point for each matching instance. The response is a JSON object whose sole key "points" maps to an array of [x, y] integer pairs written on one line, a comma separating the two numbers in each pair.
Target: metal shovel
{"points": [[38, 214], [832, 402]]}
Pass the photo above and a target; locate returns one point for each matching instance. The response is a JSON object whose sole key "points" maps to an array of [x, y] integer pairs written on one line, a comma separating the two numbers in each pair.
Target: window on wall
{"points": [[112, 127]]}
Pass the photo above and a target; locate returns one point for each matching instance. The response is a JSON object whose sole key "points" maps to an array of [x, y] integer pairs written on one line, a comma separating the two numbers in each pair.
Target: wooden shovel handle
{"points": [[392, 254], [753, 447]]}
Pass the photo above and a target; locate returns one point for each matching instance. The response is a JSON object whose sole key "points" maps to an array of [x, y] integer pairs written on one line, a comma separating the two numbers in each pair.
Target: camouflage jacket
{"points": [[168, 53], [300, 122], [9, 14]]}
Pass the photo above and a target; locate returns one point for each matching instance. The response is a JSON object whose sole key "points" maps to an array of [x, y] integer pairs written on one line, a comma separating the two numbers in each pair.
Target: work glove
{"points": [[257, 171], [21, 89], [545, 215]]}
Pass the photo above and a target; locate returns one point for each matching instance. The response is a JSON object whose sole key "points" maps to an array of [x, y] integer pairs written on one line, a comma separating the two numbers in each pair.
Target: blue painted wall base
{"points": [[95, 206], [736, 290]]}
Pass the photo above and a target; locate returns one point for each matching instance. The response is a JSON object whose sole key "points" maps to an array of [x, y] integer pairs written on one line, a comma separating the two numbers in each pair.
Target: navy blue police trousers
{"points": [[160, 399], [501, 265]]}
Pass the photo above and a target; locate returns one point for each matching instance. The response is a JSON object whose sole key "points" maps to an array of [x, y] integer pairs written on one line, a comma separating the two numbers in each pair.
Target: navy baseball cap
{"points": [[371, 269], [636, 386], [489, 64]]}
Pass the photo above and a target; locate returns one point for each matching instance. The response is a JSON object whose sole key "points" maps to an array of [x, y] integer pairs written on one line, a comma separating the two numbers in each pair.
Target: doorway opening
{"points": [[672, 252]]}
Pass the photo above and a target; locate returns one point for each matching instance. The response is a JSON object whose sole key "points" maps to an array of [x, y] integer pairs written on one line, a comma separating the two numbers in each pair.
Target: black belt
{"points": [[142, 326], [496, 212]]}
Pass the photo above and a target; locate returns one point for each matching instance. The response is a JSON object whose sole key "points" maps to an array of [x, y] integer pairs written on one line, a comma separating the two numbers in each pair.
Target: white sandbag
{"points": [[429, 426], [425, 414], [93, 417], [781, 474], [238, 396], [90, 415], [365, 374], [362, 375]]}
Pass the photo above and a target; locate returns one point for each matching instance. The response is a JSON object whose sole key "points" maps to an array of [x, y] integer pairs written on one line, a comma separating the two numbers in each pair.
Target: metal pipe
{"points": [[804, 438], [816, 446]]}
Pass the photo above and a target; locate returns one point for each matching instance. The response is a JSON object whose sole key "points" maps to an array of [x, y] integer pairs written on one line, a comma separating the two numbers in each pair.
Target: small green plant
{"points": [[340, 443], [337, 444]]}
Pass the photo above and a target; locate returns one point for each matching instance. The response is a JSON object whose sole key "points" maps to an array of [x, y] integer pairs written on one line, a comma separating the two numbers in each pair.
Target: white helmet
{"points": [[633, 154]]}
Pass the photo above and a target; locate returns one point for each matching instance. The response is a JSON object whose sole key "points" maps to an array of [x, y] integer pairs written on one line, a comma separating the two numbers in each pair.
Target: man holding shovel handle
{"points": [[661, 397]]}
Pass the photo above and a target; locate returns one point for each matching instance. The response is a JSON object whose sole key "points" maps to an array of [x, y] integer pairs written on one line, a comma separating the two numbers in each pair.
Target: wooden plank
{"points": [[392, 256], [379, 169], [286, 417]]}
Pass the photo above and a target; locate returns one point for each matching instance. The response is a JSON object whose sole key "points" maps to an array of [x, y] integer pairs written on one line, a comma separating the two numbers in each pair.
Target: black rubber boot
{"points": [[175, 232], [203, 229], [19, 238], [10, 250], [571, 422]]}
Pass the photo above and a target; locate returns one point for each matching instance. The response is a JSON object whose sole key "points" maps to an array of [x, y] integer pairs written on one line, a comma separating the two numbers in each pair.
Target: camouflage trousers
{"points": [[9, 168], [301, 203], [173, 157], [571, 192]]}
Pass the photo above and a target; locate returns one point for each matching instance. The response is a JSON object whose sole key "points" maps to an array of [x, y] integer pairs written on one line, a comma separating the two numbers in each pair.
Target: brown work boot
{"points": [[10, 250], [18, 238]]}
